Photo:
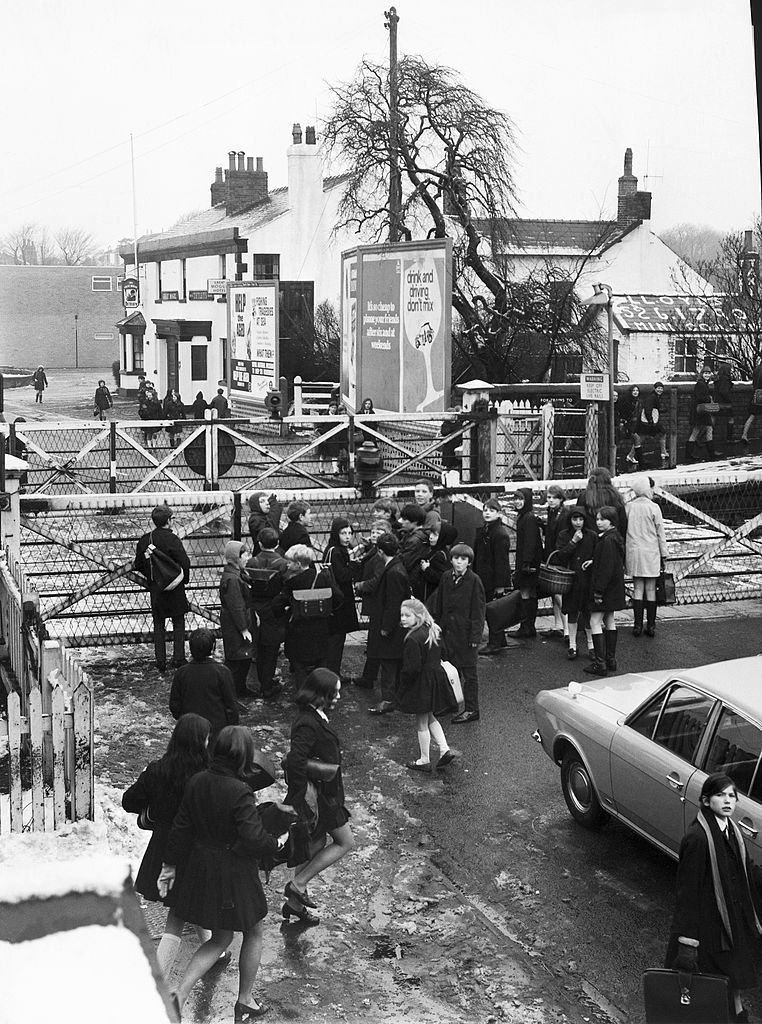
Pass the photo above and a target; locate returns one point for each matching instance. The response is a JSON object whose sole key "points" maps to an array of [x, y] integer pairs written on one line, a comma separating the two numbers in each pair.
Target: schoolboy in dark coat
{"points": [[414, 545], [492, 552], [385, 634], [165, 604], [458, 605], [204, 687], [438, 562]]}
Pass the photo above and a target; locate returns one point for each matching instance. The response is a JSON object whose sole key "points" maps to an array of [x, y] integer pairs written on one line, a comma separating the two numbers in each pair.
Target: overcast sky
{"points": [[581, 80]]}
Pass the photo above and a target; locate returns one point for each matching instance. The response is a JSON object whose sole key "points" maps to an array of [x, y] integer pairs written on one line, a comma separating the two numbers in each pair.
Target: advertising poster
{"points": [[253, 334], [349, 370], [404, 343]]}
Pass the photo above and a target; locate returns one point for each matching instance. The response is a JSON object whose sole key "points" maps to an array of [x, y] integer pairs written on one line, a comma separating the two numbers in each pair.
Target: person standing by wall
{"points": [[221, 405], [40, 382], [385, 634], [236, 619], [459, 608], [199, 406], [165, 604], [629, 409], [755, 407], [723, 396], [703, 420], [173, 410], [606, 591], [654, 419], [102, 400], [647, 553]]}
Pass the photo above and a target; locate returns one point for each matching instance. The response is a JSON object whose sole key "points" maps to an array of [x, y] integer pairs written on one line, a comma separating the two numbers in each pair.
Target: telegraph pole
{"points": [[395, 185]]}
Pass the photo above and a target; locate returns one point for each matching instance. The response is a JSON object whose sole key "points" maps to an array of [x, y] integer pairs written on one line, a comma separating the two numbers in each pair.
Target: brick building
{"points": [[59, 316]]}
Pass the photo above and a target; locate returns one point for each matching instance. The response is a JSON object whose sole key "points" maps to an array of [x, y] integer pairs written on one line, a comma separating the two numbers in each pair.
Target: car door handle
{"points": [[674, 782], [748, 828]]}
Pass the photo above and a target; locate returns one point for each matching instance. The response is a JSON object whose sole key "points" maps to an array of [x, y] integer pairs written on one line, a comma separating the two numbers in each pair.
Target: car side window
{"points": [[676, 723], [735, 750]]}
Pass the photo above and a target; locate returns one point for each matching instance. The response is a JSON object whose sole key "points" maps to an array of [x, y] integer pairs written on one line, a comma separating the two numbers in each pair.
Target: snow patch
{"points": [[104, 876]]}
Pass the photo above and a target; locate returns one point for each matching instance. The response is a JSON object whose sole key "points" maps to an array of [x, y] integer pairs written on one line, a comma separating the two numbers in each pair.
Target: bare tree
{"points": [[75, 245], [455, 165], [694, 243], [20, 244], [327, 335]]}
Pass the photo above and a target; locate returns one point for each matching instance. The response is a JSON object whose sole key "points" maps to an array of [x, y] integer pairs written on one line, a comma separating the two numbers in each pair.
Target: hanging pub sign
{"points": [[130, 293], [253, 337]]}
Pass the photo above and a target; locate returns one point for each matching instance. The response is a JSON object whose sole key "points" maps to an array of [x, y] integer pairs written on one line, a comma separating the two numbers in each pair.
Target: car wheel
{"points": [[579, 792]]}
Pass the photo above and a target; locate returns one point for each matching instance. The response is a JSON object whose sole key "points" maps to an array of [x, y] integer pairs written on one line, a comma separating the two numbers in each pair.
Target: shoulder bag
{"points": [[313, 603], [166, 574]]}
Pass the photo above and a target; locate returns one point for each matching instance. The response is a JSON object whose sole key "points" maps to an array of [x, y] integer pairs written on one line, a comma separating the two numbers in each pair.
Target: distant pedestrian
{"points": [[458, 606], [314, 737], [654, 419], [607, 594], [385, 634], [40, 382], [629, 409], [576, 546], [647, 552], [165, 604], [299, 515], [149, 408], [102, 400], [716, 924], [703, 418], [218, 837], [414, 545], [755, 407], [331, 449], [263, 594], [345, 569], [236, 619], [200, 406], [529, 546], [221, 405], [203, 686], [156, 798], [173, 410], [723, 396], [420, 690]]}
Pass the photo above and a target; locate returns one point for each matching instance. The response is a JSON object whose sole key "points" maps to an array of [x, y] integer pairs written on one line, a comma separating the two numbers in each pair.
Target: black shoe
{"points": [[242, 1012], [447, 758], [490, 649], [596, 668], [571, 654], [465, 716], [384, 708], [292, 893], [288, 910], [416, 767], [273, 693]]}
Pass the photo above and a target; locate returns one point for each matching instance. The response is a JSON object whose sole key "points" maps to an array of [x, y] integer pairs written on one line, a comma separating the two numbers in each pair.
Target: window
{"points": [[138, 361], [198, 362], [676, 723], [735, 750], [222, 267], [224, 358], [715, 348], [158, 280], [686, 355], [185, 279], [103, 284], [265, 266]]}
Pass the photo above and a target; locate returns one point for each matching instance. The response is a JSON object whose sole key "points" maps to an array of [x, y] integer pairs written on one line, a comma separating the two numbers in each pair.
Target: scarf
{"points": [[720, 881]]}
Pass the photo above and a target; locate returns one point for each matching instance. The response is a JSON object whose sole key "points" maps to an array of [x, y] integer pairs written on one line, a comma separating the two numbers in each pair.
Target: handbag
{"points": [[320, 771], [504, 611], [707, 407], [555, 579], [678, 997], [665, 589], [453, 678], [166, 574], [265, 583], [313, 603]]}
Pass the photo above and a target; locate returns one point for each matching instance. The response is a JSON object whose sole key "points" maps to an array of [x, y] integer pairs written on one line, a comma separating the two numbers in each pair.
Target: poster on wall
{"points": [[401, 356], [349, 330], [253, 337]]}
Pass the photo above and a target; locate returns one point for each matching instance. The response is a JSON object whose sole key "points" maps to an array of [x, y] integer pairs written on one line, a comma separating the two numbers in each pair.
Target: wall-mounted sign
{"points": [[196, 296], [170, 296], [594, 387], [217, 286], [253, 336], [104, 336], [130, 293]]}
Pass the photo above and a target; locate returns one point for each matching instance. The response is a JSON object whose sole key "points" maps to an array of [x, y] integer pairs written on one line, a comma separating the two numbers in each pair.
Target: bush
{"points": [[115, 372]]}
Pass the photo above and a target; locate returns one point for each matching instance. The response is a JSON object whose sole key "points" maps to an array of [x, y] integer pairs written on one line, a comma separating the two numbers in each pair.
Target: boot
{"points": [[598, 666], [610, 636], [639, 456], [637, 610], [531, 615], [690, 451], [730, 437], [650, 618], [524, 632], [713, 454]]}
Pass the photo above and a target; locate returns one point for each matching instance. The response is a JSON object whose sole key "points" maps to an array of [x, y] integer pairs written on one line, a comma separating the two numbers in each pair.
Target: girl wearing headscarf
{"points": [[345, 571], [235, 616], [260, 516]]}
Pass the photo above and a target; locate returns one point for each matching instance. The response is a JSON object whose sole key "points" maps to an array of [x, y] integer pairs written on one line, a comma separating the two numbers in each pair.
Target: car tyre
{"points": [[579, 792]]}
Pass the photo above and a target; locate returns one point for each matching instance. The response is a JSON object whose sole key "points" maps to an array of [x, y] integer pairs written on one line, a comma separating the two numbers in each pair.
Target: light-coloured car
{"points": [[638, 747]]}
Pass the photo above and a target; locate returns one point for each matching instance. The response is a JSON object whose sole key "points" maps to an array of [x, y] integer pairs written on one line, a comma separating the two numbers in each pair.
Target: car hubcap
{"points": [[579, 787]]}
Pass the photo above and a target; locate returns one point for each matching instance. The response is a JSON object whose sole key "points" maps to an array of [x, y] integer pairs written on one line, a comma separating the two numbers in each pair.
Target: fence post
{"points": [[351, 451], [548, 427], [236, 523], [112, 457], [486, 447], [297, 396], [591, 437], [673, 439]]}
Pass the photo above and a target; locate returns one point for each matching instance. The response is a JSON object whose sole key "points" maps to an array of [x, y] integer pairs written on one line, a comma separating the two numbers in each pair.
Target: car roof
{"points": [[736, 682]]}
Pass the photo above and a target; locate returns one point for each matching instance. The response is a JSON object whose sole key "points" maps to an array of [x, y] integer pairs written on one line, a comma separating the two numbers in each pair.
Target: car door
{"points": [[652, 762], [735, 748]]}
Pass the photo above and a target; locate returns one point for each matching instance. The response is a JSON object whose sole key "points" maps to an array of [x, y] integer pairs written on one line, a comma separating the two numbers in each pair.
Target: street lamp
{"points": [[603, 296], [76, 342]]}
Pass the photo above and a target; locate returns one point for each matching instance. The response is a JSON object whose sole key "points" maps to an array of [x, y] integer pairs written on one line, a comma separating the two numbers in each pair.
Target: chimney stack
{"points": [[309, 135], [219, 190], [632, 205], [296, 134], [243, 185], [249, 163], [260, 165]]}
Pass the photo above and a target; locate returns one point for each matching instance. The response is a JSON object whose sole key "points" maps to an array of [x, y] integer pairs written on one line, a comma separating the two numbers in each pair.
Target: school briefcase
{"points": [[504, 612], [679, 997]]}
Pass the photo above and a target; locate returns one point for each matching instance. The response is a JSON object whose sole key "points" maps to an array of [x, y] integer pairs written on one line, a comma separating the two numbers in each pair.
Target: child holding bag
{"points": [[423, 689]]}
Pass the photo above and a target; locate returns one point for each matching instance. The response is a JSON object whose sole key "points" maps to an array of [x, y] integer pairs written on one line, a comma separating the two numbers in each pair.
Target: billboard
{"points": [[396, 326], [253, 337]]}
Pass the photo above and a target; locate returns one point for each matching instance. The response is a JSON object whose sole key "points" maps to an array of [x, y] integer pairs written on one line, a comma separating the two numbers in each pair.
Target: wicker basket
{"points": [[554, 579]]}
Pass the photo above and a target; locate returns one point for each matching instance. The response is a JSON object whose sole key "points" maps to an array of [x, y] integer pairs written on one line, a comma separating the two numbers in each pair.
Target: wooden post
{"points": [[351, 450], [297, 396], [35, 757], [112, 457], [673, 438], [591, 437], [82, 783], [548, 426], [14, 761]]}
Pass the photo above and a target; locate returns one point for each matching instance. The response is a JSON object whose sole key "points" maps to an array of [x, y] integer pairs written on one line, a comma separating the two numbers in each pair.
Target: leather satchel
{"points": [[677, 997], [166, 574], [665, 589], [708, 407], [320, 771]]}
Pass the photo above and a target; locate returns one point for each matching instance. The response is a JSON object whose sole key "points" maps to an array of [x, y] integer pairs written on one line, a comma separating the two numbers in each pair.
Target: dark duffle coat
{"points": [[492, 557], [314, 738], [556, 521], [421, 683], [305, 638], [344, 618], [371, 567], [529, 545], [219, 836], [235, 616], [204, 688], [573, 556], [439, 559], [393, 588], [607, 572], [167, 604], [272, 629], [459, 606], [153, 790], [414, 547], [295, 533], [702, 393]]}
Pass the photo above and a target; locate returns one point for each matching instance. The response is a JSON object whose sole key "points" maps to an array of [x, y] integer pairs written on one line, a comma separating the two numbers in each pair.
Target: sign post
{"points": [[594, 387]]}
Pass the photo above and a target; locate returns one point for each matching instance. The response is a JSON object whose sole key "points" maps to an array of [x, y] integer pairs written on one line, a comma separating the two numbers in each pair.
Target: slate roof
{"points": [[579, 236]]}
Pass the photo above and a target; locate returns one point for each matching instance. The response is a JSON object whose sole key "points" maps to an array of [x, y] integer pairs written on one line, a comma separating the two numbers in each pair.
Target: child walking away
{"points": [[421, 691], [204, 687], [607, 589], [459, 607], [267, 572], [576, 546]]}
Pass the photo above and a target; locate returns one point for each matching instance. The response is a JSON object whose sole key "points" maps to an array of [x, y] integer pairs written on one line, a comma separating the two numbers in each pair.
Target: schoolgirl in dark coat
{"points": [[235, 616], [576, 545], [306, 639], [702, 420], [218, 836], [204, 687], [600, 491], [385, 634], [606, 591], [529, 545], [371, 566], [272, 629], [555, 520], [345, 571], [261, 517], [421, 690], [158, 794], [716, 925], [438, 562], [314, 738]]}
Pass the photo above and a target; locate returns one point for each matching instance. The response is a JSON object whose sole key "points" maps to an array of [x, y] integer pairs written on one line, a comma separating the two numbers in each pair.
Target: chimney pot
{"points": [[296, 133], [260, 165], [748, 241], [309, 135], [218, 175], [628, 161], [241, 159], [249, 163], [231, 160]]}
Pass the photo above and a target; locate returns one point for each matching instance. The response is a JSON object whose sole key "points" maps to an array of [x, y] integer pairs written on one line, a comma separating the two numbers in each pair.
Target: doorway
{"points": [[173, 370]]}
